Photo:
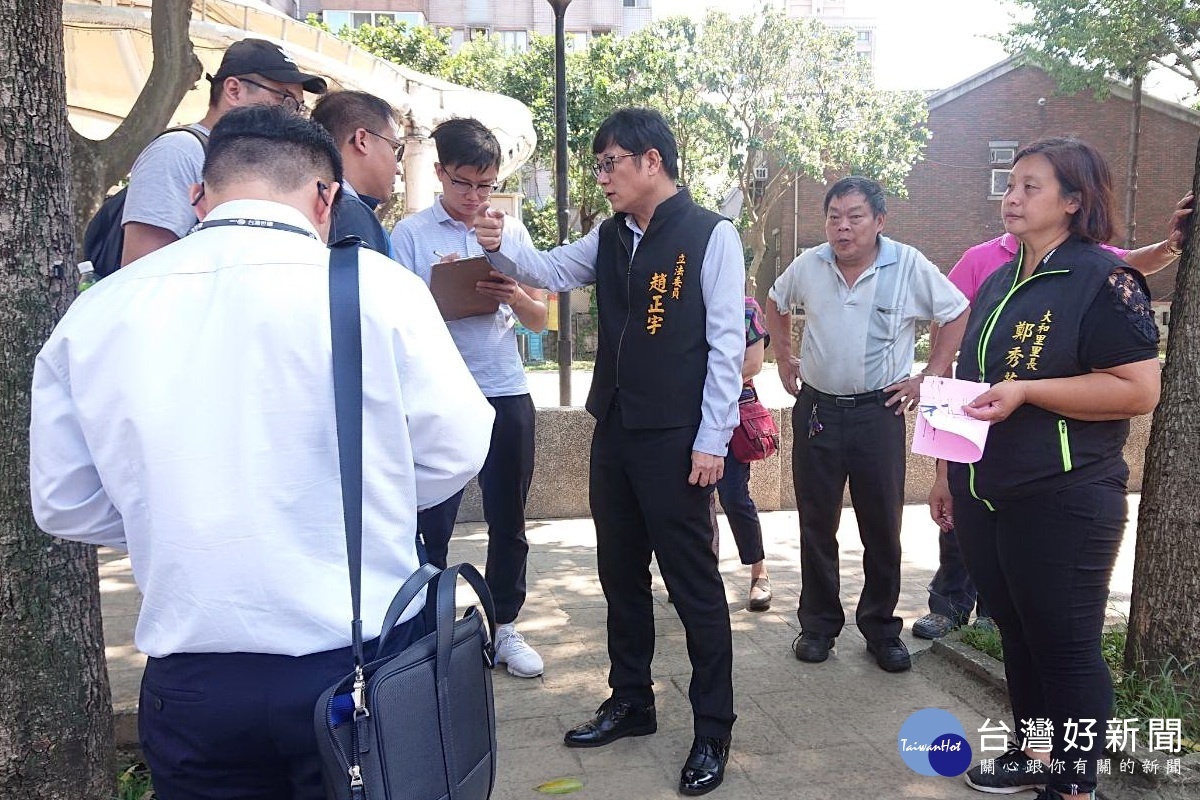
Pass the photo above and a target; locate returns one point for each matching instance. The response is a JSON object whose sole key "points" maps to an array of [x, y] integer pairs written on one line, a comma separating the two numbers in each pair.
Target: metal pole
{"points": [[560, 192]]}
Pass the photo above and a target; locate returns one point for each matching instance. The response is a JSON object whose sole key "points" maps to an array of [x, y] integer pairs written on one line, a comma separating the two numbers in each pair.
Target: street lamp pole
{"points": [[560, 191]]}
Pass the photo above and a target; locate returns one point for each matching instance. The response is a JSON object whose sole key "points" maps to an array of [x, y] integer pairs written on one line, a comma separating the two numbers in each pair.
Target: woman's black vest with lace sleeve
{"points": [[1026, 330]]}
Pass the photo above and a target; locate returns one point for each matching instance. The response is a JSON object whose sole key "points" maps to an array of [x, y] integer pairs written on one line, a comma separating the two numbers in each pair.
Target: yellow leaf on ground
{"points": [[561, 786]]}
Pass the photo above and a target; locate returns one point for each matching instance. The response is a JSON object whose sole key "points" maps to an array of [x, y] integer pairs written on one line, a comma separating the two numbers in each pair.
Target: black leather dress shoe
{"points": [[615, 719], [812, 647], [705, 766], [890, 654]]}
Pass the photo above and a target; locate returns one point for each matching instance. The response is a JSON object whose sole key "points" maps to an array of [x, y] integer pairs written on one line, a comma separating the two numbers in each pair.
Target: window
{"points": [[760, 173], [576, 41], [999, 182], [514, 41], [336, 20], [629, 4], [477, 33], [863, 36]]}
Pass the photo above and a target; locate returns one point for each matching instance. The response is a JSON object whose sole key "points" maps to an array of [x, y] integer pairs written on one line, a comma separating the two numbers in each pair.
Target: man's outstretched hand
{"points": [[489, 227]]}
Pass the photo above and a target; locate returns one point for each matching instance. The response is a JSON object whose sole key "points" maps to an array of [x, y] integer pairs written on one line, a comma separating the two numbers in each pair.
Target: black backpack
{"points": [[105, 237]]}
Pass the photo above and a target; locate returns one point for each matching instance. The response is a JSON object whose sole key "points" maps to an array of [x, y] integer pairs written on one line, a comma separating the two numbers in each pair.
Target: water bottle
{"points": [[87, 275]]}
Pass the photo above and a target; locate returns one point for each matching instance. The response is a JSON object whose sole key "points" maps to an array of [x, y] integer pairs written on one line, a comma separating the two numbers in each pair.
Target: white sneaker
{"points": [[511, 649]]}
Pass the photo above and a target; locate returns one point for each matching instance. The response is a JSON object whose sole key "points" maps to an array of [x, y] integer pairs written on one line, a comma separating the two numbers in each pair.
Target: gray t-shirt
{"points": [[161, 179]]}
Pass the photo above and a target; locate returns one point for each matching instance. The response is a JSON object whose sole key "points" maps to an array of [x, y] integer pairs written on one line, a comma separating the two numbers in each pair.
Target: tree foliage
{"points": [[737, 93], [413, 46], [799, 101], [1086, 43]]}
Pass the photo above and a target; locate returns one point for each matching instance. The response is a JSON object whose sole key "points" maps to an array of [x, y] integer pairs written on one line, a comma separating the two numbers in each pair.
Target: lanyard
{"points": [[246, 222]]}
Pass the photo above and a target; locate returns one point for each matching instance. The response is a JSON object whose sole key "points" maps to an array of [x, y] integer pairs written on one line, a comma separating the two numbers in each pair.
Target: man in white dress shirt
{"points": [[183, 410]]}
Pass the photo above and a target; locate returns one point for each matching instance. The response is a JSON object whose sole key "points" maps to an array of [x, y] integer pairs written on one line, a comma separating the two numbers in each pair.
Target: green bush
{"points": [[1169, 691]]}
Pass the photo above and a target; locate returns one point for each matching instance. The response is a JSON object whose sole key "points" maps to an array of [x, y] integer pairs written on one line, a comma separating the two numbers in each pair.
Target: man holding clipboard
{"points": [[482, 320]]}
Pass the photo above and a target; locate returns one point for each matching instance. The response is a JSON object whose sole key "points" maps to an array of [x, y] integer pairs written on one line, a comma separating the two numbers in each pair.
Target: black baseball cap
{"points": [[268, 59]]}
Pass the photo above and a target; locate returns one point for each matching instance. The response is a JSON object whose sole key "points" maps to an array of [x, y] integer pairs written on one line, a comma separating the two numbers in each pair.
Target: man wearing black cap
{"points": [[157, 207]]}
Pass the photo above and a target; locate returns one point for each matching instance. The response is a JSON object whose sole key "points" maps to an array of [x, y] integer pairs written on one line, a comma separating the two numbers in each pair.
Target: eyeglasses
{"points": [[286, 100], [465, 187], [609, 163], [397, 147], [322, 190]]}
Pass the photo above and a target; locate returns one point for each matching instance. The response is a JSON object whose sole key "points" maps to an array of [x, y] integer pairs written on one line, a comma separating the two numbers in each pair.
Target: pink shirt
{"points": [[980, 261]]}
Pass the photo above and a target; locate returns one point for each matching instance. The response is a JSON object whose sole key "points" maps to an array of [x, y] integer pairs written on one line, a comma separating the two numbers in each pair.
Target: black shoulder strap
{"points": [[200, 137], [346, 329]]}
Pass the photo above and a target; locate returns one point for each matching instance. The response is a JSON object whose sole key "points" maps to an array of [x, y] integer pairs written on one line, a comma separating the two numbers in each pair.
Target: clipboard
{"points": [[452, 284]]}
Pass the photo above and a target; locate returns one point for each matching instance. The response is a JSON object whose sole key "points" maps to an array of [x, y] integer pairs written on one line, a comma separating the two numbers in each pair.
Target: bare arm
{"points": [[1152, 258], [752, 365], [1104, 394], [527, 303], [779, 325], [142, 239], [906, 393]]}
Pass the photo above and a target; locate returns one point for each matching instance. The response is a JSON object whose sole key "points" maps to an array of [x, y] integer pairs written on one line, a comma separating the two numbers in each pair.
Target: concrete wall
{"points": [[560, 479]]}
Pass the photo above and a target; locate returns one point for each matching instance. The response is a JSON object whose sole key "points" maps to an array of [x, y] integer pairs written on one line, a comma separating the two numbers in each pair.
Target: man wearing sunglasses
{"points": [[157, 209], [669, 279], [369, 138]]}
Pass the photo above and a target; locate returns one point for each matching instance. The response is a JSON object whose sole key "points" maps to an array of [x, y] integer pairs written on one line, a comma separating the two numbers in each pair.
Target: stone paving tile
{"points": [[804, 730]]}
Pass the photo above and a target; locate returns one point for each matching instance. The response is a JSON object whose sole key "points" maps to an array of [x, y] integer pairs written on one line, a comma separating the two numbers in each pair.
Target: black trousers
{"points": [[734, 491], [504, 483], [862, 443], [1042, 565], [642, 504], [239, 726]]}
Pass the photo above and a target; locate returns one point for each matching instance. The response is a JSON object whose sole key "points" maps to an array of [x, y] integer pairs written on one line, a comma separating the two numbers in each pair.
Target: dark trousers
{"points": [[740, 511], [1043, 566], [239, 726], [642, 504], [504, 483], [951, 592], [862, 443]]}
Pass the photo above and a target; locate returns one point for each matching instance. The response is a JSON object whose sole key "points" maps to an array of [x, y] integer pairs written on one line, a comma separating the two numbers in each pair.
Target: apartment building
{"points": [[512, 20]]}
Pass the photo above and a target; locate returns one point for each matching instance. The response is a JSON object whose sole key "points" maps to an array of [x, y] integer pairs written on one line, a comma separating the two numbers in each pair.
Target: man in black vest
{"points": [[668, 278], [369, 138]]}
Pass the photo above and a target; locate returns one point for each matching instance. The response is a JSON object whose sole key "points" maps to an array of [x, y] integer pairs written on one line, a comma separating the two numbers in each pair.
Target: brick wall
{"points": [[949, 208]]}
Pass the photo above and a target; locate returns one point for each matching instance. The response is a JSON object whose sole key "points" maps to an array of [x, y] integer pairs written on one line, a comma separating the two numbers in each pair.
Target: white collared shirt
{"points": [[183, 409]]}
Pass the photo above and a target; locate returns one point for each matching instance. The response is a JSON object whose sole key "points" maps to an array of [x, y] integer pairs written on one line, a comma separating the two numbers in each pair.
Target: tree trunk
{"points": [[1131, 186], [56, 738], [1164, 615]]}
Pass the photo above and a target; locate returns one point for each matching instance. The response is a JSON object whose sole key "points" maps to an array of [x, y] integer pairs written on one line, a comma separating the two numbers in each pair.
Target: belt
{"points": [[875, 398]]}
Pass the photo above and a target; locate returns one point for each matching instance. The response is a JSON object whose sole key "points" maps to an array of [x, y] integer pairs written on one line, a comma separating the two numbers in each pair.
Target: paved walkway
{"points": [[804, 731]]}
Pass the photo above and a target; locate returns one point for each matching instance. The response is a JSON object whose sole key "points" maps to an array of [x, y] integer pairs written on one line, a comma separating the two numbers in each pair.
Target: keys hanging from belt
{"points": [[814, 424]]}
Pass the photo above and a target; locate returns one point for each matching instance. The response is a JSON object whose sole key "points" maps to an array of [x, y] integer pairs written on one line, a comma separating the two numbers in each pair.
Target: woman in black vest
{"points": [[1065, 336]]}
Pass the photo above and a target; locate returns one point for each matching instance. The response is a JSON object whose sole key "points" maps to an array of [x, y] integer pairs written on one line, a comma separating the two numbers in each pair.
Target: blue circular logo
{"points": [[933, 742]]}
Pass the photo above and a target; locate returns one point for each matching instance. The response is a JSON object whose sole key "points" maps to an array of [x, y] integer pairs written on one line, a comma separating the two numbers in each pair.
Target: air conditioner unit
{"points": [[760, 173]]}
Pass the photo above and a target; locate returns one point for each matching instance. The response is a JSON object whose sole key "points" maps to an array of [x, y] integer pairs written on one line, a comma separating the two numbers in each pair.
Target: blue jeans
{"points": [[734, 491], [951, 592]]}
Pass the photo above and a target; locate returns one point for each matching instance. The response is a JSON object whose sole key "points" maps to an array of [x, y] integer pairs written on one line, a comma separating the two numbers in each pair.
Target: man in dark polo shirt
{"points": [[668, 278]]}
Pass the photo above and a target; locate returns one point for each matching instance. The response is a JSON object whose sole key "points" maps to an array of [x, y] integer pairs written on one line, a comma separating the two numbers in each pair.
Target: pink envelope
{"points": [[943, 430]]}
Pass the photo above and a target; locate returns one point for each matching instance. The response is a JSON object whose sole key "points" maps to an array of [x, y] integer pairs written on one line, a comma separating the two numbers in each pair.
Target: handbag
{"points": [[419, 724], [756, 436]]}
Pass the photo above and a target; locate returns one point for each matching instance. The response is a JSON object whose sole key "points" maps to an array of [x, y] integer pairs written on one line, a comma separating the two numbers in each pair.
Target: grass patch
{"points": [[552, 366], [1170, 692], [134, 783]]}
